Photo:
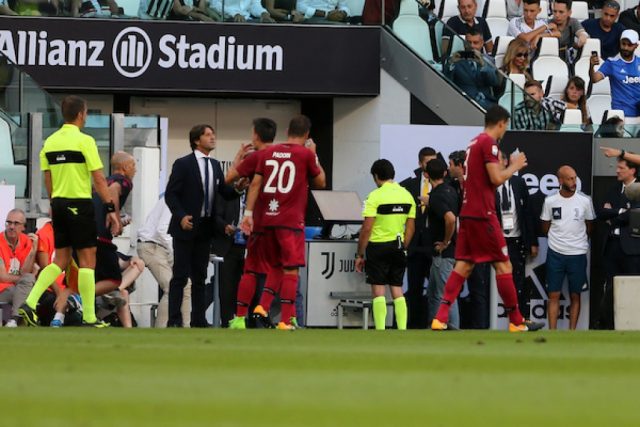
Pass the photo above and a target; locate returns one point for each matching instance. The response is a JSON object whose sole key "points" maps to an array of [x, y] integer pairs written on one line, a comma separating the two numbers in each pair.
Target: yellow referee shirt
{"points": [[70, 156], [391, 205]]}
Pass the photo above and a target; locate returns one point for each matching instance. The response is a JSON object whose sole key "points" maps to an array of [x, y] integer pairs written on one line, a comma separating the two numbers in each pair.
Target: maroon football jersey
{"points": [[247, 168], [479, 200], [286, 170]]}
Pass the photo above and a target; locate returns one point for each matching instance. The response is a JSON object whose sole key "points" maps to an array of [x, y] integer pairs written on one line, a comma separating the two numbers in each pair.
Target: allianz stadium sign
{"points": [[186, 57]]}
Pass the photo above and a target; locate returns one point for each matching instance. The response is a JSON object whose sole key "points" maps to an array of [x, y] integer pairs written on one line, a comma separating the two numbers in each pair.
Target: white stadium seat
{"points": [[356, 7], [599, 101], [544, 9], [449, 9], [500, 49], [498, 26], [408, 7], [548, 62], [556, 84], [495, 9], [572, 116], [580, 10], [590, 46], [414, 32]]}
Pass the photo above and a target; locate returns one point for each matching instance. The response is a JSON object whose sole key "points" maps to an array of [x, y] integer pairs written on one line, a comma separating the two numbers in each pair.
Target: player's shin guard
{"points": [[400, 310], [288, 297], [451, 291], [47, 276], [87, 288], [246, 290], [271, 288], [380, 312], [507, 291]]}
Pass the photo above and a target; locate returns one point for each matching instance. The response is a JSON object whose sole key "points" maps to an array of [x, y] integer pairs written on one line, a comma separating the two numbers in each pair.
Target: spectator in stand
{"points": [[516, 60], [537, 112], [372, 12], [241, 10], [17, 263], [630, 19], [323, 11], [283, 11], [606, 29], [529, 27], [474, 73], [155, 9], [192, 10], [94, 8], [464, 22], [572, 35], [514, 8], [623, 71], [5, 9], [575, 97], [36, 7]]}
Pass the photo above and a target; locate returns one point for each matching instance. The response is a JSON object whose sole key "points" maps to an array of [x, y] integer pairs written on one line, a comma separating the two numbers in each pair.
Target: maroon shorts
{"points": [[481, 240], [256, 261], [284, 247]]}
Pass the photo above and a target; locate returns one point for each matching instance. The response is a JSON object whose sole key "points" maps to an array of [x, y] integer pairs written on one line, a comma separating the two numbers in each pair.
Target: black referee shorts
{"points": [[385, 264], [74, 223]]}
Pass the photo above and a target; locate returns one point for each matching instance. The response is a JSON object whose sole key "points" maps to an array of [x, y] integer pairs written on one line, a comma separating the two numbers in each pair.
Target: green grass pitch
{"points": [[79, 377]]}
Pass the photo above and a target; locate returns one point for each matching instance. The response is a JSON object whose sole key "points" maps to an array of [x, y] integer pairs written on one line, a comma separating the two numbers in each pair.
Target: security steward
{"points": [[389, 223], [69, 159]]}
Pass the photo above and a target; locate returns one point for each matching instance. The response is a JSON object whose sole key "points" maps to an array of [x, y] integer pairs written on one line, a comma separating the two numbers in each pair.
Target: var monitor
{"points": [[337, 207]]}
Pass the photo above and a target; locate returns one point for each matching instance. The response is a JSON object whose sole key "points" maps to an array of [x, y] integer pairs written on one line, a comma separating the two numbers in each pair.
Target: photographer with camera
{"points": [[473, 72]]}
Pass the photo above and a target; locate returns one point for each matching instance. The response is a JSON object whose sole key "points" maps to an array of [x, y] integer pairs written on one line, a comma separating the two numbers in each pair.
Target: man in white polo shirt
{"points": [[567, 218]]}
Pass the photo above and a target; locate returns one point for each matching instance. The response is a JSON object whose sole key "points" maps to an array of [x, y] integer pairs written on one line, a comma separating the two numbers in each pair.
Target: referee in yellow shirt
{"points": [[69, 159], [389, 223]]}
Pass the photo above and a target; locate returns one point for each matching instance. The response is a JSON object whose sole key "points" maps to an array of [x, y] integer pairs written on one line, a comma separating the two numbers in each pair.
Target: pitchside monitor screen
{"points": [[339, 206]]}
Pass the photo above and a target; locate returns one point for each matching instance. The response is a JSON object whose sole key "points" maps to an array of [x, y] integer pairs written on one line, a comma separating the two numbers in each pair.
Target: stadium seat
{"points": [[356, 7], [498, 26], [414, 32], [448, 8], [580, 10], [544, 9], [494, 9], [517, 92], [599, 100], [590, 46], [408, 7], [613, 113], [500, 49], [555, 86], [548, 62], [130, 7], [572, 116], [438, 29]]}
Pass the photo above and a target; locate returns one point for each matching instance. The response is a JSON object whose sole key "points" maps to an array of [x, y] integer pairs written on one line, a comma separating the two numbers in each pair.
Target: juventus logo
{"points": [[329, 264]]}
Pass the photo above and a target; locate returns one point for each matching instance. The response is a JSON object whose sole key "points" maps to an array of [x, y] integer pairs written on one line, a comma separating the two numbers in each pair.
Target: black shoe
{"points": [[261, 318], [28, 315], [526, 326]]}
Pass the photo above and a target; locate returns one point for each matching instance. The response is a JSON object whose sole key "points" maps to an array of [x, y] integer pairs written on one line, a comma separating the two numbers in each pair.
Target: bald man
{"points": [[567, 218]]}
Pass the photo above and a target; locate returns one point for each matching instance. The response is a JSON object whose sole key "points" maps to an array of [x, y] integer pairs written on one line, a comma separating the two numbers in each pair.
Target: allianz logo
{"points": [[132, 52]]}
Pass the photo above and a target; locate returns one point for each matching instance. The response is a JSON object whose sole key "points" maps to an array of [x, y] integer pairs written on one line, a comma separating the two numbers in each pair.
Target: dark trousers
{"points": [[616, 263], [479, 287], [518, 258], [418, 266], [190, 261], [230, 272]]}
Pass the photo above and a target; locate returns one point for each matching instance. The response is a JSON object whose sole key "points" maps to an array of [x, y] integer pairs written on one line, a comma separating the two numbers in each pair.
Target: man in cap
{"points": [[623, 71]]}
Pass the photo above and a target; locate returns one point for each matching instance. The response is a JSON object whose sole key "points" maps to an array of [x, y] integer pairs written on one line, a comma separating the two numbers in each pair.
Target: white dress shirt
{"points": [[156, 227], [245, 8], [199, 157]]}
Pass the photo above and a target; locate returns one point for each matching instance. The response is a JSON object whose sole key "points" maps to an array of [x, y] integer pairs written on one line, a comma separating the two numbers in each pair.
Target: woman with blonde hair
{"points": [[516, 60]]}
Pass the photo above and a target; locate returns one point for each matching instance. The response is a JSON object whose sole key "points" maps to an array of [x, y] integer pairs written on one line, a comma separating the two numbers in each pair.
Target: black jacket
{"points": [[227, 212], [185, 193], [618, 200], [523, 213], [421, 241]]}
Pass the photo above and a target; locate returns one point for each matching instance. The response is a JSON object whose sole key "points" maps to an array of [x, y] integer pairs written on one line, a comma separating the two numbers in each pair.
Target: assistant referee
{"points": [[69, 159], [389, 223]]}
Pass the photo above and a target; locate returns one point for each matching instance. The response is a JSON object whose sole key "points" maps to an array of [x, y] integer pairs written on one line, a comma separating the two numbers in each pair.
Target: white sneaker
{"points": [[11, 323]]}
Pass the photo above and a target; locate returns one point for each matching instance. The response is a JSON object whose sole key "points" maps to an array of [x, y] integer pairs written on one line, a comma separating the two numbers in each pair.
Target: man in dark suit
{"points": [[420, 249], [229, 243], [622, 250], [518, 226], [195, 179]]}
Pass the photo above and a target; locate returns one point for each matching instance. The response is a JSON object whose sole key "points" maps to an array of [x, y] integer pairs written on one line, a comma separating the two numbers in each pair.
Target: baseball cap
{"points": [[630, 35]]}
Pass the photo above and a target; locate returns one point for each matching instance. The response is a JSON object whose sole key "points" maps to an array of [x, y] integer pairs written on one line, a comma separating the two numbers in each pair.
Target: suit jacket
{"points": [[227, 212], [185, 193], [523, 212], [618, 200], [421, 241]]}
